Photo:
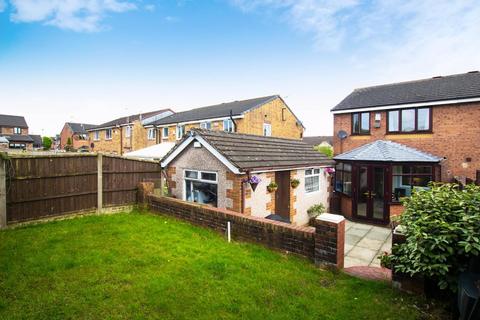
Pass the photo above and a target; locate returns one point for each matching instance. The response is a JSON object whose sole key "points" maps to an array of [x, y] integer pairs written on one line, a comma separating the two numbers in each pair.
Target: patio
{"points": [[364, 243]]}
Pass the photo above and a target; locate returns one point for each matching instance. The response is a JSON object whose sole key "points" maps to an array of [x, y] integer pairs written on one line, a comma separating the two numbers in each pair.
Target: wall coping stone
{"points": [[330, 217]]}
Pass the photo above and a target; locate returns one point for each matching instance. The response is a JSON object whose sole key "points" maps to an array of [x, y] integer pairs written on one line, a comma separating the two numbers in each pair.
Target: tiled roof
{"points": [[315, 141], [387, 151], [453, 87], [12, 121], [80, 127], [129, 119], [256, 153], [215, 111], [37, 140]]}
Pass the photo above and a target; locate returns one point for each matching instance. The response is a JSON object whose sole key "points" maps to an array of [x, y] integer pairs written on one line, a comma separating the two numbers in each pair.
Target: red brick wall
{"points": [[235, 193], [455, 135]]}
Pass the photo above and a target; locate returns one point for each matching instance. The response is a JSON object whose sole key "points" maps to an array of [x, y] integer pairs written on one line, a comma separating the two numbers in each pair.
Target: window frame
{"points": [[311, 175], [96, 135], [111, 134], [207, 125], [128, 132], [17, 130], [269, 126], [341, 173], [151, 134], [230, 127], [177, 131], [399, 124], [360, 133], [198, 179], [165, 136], [410, 175]]}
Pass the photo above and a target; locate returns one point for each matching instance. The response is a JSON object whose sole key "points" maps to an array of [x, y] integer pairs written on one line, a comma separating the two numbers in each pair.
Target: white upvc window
{"points": [[17, 130], [267, 129], [180, 132], [128, 131], [96, 135], [201, 187], [312, 180], [206, 125], [164, 133], [108, 134], [228, 125], [152, 133]]}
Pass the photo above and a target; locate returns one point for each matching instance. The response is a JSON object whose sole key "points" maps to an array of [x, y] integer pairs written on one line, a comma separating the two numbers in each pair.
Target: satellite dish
{"points": [[342, 134]]}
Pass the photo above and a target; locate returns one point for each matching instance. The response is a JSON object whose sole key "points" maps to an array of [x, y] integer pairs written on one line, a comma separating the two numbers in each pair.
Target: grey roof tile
{"points": [[12, 121], [80, 127], [129, 119], [256, 153], [215, 111], [17, 138], [316, 140], [458, 86], [387, 151]]}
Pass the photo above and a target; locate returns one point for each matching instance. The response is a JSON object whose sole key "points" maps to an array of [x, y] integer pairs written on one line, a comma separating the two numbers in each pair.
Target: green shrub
{"points": [[442, 229], [326, 150], [47, 143], [316, 210]]}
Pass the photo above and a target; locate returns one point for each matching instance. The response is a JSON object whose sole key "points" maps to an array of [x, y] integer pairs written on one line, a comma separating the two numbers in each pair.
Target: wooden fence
{"points": [[38, 186]]}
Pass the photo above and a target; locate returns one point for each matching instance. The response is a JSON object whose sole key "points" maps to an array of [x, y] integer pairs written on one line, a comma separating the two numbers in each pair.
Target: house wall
{"points": [[201, 159], [258, 202], [303, 200], [76, 142], [455, 131], [122, 144], [253, 121], [9, 130]]}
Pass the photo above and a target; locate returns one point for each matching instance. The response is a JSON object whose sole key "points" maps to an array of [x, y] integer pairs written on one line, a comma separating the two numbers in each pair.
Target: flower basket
{"points": [[329, 170], [294, 183], [253, 181], [272, 187]]}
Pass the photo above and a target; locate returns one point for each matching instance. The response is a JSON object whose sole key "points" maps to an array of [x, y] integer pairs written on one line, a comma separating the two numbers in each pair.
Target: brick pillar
{"points": [[330, 240]]}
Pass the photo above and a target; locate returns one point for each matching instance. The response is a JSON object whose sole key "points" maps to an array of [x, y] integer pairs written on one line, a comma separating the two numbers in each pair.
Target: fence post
{"points": [[162, 184], [3, 193], [99, 182]]}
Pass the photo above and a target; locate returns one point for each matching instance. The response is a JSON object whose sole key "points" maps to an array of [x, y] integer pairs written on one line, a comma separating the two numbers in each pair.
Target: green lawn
{"points": [[145, 266]]}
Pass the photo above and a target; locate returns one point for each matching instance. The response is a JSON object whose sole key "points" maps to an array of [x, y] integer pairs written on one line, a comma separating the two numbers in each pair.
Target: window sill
{"points": [[361, 134], [409, 132]]}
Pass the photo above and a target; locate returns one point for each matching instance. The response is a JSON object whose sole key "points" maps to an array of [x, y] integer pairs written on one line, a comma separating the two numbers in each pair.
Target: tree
{"points": [[47, 143], [325, 149], [69, 145], [442, 230]]}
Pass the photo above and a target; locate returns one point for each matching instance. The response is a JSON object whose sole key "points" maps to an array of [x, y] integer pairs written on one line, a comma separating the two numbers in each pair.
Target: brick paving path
{"points": [[370, 273]]}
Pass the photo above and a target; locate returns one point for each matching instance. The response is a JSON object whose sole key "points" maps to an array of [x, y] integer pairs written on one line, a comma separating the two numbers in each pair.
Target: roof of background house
{"points": [[316, 140], [216, 111], [387, 151], [17, 138], [129, 119], [257, 153], [37, 140], [80, 127], [453, 87], [12, 121]]}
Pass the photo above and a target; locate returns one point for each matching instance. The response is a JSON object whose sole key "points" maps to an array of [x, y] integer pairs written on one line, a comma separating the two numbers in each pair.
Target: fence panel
{"points": [[47, 185]]}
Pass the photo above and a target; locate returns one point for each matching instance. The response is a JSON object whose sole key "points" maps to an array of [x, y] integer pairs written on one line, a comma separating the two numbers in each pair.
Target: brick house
{"points": [[15, 130], [212, 167], [127, 133], [268, 116], [392, 139], [77, 133]]}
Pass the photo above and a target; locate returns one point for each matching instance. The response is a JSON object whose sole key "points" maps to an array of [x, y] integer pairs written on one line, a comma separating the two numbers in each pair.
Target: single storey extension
{"points": [[256, 175]]}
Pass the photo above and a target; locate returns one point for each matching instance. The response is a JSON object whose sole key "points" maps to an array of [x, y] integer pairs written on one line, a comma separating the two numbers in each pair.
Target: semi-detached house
{"points": [[390, 140]]}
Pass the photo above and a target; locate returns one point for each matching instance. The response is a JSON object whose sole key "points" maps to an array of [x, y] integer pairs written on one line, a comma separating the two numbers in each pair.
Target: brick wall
{"points": [[454, 130], [76, 142], [274, 234], [9, 130]]}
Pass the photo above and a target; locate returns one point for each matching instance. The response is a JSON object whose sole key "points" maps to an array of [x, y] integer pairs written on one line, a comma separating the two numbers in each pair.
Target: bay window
{"points": [[409, 120], [343, 178]]}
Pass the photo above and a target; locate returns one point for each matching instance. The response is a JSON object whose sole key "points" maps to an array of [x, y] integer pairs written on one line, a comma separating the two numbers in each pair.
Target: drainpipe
{"points": [[233, 121]]}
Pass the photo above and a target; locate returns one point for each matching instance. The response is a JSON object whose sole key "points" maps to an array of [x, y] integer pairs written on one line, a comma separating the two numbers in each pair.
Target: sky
{"points": [[91, 61]]}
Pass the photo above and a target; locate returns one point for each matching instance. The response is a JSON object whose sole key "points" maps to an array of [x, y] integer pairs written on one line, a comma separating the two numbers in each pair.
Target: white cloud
{"points": [[150, 7], [404, 36], [76, 15], [2, 5]]}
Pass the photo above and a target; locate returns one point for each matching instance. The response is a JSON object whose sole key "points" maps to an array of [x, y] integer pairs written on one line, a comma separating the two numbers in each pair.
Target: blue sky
{"points": [[93, 60]]}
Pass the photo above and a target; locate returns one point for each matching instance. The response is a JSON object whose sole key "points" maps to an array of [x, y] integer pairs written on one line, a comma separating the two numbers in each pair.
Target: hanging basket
{"points": [[253, 181], [294, 183], [253, 185], [272, 187]]}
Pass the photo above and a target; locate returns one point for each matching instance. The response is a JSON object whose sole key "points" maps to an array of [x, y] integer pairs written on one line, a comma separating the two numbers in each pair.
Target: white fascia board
{"points": [[207, 146], [408, 105], [198, 121]]}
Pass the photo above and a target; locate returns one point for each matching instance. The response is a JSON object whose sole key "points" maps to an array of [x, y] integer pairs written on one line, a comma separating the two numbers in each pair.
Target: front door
{"points": [[370, 195], [282, 195]]}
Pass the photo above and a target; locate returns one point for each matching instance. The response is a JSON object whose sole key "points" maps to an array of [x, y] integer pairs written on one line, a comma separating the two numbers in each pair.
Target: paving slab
{"points": [[358, 231], [371, 244], [378, 235], [363, 254], [352, 239], [351, 262]]}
